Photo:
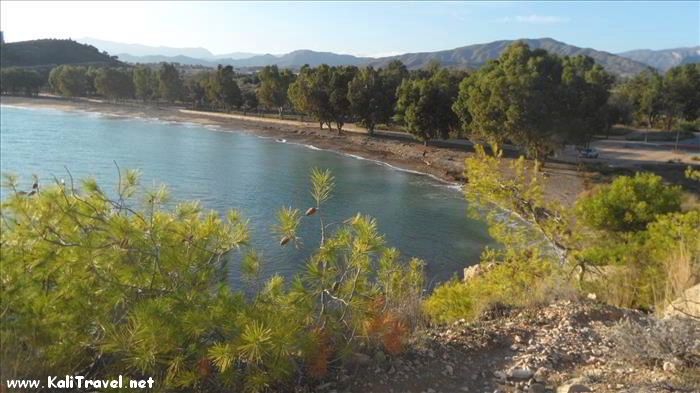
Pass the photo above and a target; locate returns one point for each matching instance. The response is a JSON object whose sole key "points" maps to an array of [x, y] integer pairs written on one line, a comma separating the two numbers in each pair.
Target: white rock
{"points": [[669, 366]]}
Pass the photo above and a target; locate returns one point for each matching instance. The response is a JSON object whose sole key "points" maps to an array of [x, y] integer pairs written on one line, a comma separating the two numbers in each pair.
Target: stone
{"points": [[520, 374], [573, 386], [687, 305], [360, 359], [379, 357], [500, 375], [449, 370], [536, 388], [669, 367]]}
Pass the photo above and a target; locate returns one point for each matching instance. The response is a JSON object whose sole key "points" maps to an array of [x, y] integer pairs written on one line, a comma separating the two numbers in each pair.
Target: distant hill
{"points": [[470, 57], [664, 59], [145, 50], [51, 52], [135, 51], [473, 56], [300, 57], [294, 59], [170, 59]]}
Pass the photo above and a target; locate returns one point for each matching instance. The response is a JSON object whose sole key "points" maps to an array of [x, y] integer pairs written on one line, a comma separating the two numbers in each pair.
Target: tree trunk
{"points": [[279, 111], [339, 125], [678, 135]]}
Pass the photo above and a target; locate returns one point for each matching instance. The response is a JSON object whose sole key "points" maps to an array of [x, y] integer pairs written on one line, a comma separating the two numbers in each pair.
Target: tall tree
{"points": [[310, 94], [515, 98], [585, 93], [339, 102], [17, 80], [145, 83], [170, 83], [424, 105], [274, 84], [222, 89], [114, 83], [69, 81], [369, 100], [645, 92], [682, 93]]}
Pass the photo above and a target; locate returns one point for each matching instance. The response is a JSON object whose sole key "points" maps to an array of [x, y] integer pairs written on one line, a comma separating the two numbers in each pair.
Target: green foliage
{"points": [[629, 242], [48, 52], [274, 84], [69, 81], [170, 83], [94, 286], [221, 89], [145, 83], [534, 99], [629, 203], [114, 83], [674, 95], [368, 99], [424, 105], [322, 92], [17, 80], [310, 93], [519, 279]]}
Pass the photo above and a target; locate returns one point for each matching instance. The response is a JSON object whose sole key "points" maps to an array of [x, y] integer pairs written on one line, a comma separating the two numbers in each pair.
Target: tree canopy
{"points": [[424, 105]]}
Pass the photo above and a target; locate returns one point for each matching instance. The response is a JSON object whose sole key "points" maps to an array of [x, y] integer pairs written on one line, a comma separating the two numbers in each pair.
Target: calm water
{"points": [[418, 215]]}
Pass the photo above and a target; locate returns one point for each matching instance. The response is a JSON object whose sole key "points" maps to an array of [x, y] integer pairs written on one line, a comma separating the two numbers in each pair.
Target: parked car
{"points": [[588, 153]]}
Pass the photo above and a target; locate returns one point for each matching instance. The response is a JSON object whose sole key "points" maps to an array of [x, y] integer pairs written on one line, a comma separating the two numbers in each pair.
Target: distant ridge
{"points": [[294, 59], [50, 52], [664, 59], [474, 56], [470, 57], [45, 52]]}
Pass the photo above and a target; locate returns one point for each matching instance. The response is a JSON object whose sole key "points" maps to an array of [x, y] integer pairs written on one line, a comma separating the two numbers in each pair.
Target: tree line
{"points": [[530, 98]]}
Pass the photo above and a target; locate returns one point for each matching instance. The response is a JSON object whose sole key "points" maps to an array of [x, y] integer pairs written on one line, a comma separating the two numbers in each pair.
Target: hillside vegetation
{"points": [[52, 52]]}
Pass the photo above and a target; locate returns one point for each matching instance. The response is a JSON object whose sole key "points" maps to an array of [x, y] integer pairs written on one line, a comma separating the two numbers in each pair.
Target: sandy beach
{"points": [[444, 162]]}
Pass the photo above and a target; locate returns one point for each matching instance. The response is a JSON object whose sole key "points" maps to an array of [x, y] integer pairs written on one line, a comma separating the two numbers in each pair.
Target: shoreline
{"points": [[443, 164]]}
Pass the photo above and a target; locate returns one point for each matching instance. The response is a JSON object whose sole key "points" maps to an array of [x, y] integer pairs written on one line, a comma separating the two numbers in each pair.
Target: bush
{"points": [[689, 126], [654, 341], [629, 203], [522, 279], [93, 286]]}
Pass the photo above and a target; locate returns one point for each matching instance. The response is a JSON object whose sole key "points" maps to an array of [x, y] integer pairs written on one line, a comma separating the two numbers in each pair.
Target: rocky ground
{"points": [[565, 347]]}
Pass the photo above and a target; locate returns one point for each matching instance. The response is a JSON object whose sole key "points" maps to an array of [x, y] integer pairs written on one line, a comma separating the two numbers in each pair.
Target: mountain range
{"points": [[469, 57], [665, 59]]}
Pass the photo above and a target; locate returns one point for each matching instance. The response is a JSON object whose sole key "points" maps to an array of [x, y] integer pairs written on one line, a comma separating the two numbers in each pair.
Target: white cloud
{"points": [[535, 19]]}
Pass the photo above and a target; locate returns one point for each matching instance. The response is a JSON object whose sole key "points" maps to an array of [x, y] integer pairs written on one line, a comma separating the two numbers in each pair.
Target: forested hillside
{"points": [[52, 52]]}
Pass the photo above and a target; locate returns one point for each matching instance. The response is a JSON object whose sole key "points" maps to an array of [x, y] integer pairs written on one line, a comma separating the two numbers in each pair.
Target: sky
{"points": [[359, 28]]}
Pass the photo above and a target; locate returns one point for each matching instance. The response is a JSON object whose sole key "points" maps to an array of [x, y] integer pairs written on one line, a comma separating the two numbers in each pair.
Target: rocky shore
{"points": [[564, 347]]}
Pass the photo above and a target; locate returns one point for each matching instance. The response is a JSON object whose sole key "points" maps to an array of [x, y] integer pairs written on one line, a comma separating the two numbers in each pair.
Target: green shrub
{"points": [[629, 203], [522, 279], [93, 286]]}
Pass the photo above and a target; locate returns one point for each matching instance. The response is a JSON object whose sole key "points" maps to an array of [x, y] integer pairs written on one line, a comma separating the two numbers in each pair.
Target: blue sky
{"points": [[360, 28]]}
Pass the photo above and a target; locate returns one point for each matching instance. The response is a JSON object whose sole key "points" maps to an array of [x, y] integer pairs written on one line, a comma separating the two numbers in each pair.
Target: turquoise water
{"points": [[419, 215]]}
